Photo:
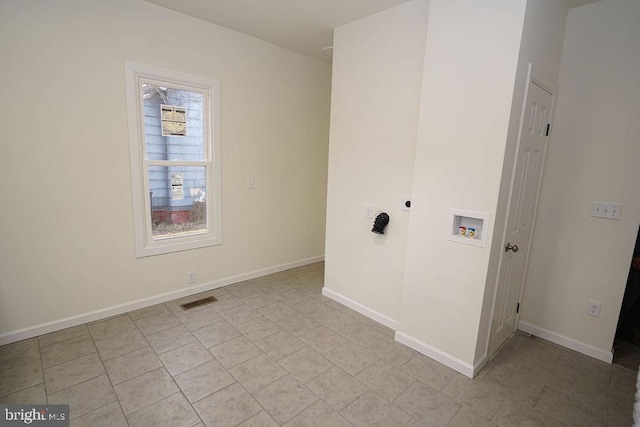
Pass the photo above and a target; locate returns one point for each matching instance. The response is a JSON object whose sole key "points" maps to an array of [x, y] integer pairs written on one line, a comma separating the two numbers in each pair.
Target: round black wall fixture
{"points": [[380, 223]]}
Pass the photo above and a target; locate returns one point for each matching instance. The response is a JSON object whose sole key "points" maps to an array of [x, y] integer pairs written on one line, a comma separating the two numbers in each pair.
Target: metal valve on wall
{"points": [[380, 223]]}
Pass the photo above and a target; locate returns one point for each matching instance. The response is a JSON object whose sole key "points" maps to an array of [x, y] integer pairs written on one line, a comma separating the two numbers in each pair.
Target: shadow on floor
{"points": [[626, 354]]}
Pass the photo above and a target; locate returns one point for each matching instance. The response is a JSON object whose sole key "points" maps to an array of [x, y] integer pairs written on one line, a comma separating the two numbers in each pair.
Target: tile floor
{"points": [[273, 351]]}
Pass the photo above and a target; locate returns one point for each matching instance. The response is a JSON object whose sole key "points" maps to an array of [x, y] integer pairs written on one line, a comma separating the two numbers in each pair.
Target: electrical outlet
{"points": [[593, 309], [191, 277]]}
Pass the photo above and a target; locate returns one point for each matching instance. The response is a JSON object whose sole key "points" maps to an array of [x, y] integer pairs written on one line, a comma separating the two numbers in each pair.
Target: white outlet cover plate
{"points": [[607, 210]]}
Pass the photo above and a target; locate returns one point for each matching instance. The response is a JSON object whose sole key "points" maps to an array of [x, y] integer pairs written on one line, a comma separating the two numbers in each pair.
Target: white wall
{"points": [[541, 46], [469, 74], [67, 236], [377, 73], [593, 155]]}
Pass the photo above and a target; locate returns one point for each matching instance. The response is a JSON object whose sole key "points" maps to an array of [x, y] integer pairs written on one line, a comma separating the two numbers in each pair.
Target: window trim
{"points": [[145, 244]]}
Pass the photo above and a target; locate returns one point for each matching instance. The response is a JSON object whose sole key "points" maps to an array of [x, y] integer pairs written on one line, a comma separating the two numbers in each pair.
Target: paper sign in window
{"points": [[174, 120], [177, 188]]}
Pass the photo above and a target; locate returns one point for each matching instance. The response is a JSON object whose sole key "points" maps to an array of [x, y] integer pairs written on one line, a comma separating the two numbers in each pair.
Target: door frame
{"points": [[531, 79]]}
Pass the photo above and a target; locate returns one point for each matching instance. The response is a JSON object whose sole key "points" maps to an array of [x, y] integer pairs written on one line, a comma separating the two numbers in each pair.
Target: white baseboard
{"points": [[45, 328], [365, 311], [437, 355], [580, 347]]}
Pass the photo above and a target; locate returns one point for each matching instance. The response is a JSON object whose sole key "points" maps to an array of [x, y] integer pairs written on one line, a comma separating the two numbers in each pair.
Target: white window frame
{"points": [[146, 244]]}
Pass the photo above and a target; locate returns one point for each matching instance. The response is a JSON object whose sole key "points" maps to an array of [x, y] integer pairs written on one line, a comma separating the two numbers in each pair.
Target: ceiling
{"points": [[303, 26]]}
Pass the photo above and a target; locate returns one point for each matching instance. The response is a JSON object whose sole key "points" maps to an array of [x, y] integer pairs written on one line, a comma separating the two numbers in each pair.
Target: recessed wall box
{"points": [[469, 227]]}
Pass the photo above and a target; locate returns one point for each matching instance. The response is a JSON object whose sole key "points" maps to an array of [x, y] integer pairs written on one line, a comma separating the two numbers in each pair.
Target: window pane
{"points": [[178, 200], [173, 123]]}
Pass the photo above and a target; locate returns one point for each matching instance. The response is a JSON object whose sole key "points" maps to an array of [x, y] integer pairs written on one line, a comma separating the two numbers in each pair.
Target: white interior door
{"points": [[521, 208]]}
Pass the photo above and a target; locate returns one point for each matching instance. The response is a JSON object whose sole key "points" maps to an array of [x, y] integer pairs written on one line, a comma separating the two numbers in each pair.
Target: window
{"points": [[175, 159]]}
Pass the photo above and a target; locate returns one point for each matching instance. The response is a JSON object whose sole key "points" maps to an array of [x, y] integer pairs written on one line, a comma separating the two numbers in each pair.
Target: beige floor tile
{"points": [[64, 351], [467, 418], [279, 345], [515, 413], [371, 410], [335, 320], [616, 421], [311, 307], [204, 380], [392, 352], [111, 327], [213, 335], [518, 385], [259, 300], [277, 311], [510, 359], [586, 369], [228, 407], [384, 379], [292, 297], [428, 371], [298, 324], [172, 411], [147, 312], [258, 328], [239, 315], [131, 365], [199, 319], [427, 405], [322, 340], [234, 352], [34, 395], [144, 390], [305, 364], [482, 397], [73, 372], [317, 295], [623, 380], [351, 358], [19, 353], [534, 349], [20, 377], [170, 339], [85, 397], [242, 289], [566, 409], [285, 398], [318, 414], [63, 335], [337, 388], [528, 371], [157, 323], [274, 287], [186, 357], [261, 419], [360, 334], [108, 416], [120, 344], [551, 374], [257, 372]]}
